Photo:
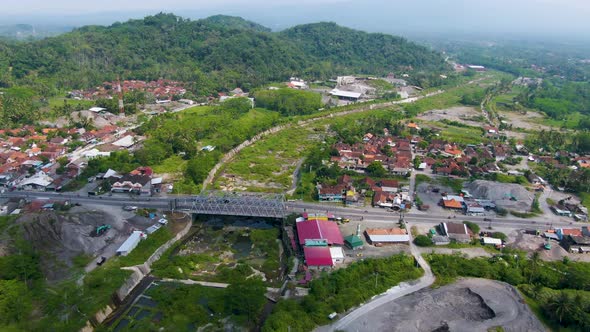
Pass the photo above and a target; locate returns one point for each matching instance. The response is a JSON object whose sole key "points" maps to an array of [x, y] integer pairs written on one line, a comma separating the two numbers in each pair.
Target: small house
{"points": [[455, 231], [353, 242]]}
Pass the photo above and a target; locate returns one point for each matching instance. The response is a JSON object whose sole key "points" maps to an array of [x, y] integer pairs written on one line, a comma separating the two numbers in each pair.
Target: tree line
{"points": [[556, 286]]}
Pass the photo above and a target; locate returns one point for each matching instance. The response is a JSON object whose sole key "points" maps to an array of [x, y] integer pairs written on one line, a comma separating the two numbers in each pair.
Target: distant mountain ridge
{"points": [[28, 31], [216, 53]]}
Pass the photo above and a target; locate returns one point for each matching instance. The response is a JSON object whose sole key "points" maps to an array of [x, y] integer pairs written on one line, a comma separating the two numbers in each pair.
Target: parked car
{"points": [[101, 260], [163, 221], [130, 208]]}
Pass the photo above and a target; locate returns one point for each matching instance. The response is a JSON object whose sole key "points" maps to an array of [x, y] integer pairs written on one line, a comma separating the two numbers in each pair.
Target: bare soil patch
{"points": [[524, 121], [463, 114]]}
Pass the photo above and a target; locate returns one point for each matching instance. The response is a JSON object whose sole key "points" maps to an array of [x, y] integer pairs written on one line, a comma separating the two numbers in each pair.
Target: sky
{"points": [[509, 18]]}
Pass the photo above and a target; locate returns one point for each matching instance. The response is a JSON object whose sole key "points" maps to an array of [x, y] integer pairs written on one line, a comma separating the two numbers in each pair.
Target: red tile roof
{"points": [[318, 256]]}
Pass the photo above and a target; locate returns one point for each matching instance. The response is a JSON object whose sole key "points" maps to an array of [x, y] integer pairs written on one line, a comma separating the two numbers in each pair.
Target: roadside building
{"points": [[577, 244], [131, 242], [319, 230], [451, 204], [335, 193], [491, 241], [137, 184], [39, 181], [474, 209], [455, 231], [561, 211], [353, 242], [562, 233], [380, 236]]}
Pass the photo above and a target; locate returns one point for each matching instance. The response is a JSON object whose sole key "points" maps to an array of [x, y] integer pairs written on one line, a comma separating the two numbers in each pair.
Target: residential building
{"points": [[137, 184], [455, 231]]}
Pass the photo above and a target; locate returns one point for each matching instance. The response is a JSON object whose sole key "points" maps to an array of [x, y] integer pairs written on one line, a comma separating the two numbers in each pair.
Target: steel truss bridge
{"points": [[233, 204]]}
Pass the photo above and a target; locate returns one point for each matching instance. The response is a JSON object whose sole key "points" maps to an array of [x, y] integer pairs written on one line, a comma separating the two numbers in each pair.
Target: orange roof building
{"points": [[452, 204]]}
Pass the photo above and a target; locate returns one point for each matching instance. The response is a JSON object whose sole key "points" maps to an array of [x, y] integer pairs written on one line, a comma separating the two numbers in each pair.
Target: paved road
{"points": [[368, 214], [396, 292]]}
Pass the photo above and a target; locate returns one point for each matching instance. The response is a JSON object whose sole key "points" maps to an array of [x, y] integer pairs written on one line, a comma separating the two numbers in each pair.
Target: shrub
{"points": [[422, 241], [500, 235], [472, 226]]}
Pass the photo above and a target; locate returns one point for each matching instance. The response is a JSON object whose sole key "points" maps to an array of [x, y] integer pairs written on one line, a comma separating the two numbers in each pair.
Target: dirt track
{"points": [[467, 305]]}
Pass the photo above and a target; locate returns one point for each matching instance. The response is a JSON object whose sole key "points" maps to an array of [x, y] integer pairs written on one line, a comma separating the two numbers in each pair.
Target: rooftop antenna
{"points": [[120, 92]]}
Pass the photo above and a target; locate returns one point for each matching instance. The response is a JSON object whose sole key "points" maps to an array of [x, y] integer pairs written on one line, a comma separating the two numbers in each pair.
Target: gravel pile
{"points": [[502, 194]]}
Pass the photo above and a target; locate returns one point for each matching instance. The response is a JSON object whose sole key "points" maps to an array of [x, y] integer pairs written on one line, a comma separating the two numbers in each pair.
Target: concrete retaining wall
{"points": [[139, 272]]}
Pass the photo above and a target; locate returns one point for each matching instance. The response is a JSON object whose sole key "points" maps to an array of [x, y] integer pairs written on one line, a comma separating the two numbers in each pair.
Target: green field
{"points": [[171, 165], [272, 160], [571, 121]]}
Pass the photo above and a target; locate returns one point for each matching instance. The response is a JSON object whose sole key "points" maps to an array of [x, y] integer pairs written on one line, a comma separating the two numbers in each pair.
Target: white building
{"points": [[38, 181], [131, 242], [491, 241], [337, 255]]}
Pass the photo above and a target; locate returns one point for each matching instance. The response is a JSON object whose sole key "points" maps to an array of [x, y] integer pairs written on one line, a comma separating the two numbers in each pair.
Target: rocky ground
{"points": [[467, 305], [501, 194]]}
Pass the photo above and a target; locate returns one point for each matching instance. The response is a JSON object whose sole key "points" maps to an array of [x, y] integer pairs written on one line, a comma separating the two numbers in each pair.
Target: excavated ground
{"points": [[60, 237], [467, 305]]}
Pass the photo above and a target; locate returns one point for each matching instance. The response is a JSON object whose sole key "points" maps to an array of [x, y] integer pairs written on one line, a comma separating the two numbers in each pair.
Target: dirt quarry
{"points": [[467, 305]]}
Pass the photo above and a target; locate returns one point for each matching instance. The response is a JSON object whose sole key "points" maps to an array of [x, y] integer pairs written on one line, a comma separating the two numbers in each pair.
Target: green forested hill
{"points": [[357, 51], [216, 53]]}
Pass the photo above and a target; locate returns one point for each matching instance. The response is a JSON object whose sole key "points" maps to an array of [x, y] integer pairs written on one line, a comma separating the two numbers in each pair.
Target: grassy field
{"points": [[172, 165], [270, 163], [58, 101], [461, 135], [273, 159], [571, 121]]}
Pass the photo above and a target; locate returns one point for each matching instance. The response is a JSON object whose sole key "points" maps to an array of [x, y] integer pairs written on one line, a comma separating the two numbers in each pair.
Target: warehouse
{"points": [[380, 236], [131, 242], [319, 230]]}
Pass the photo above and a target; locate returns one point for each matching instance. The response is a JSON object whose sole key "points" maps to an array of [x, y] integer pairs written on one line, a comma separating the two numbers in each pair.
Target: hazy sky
{"points": [[565, 18]]}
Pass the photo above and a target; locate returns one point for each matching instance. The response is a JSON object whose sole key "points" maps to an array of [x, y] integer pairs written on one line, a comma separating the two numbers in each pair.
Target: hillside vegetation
{"points": [[218, 53]]}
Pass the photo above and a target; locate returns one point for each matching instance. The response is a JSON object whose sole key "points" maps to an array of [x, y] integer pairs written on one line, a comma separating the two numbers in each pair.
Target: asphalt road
{"points": [[367, 214]]}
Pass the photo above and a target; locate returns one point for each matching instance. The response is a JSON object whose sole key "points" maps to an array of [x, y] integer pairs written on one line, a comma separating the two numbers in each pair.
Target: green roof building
{"points": [[353, 241]]}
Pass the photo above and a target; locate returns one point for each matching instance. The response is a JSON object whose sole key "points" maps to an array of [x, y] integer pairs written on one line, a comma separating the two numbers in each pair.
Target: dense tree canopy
{"points": [[218, 53], [289, 101]]}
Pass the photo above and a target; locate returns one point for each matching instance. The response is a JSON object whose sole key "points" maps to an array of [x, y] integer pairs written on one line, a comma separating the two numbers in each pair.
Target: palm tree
{"points": [[561, 307]]}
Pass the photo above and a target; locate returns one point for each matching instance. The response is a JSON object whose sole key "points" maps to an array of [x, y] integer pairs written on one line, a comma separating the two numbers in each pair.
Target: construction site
{"points": [[466, 305], [75, 240]]}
